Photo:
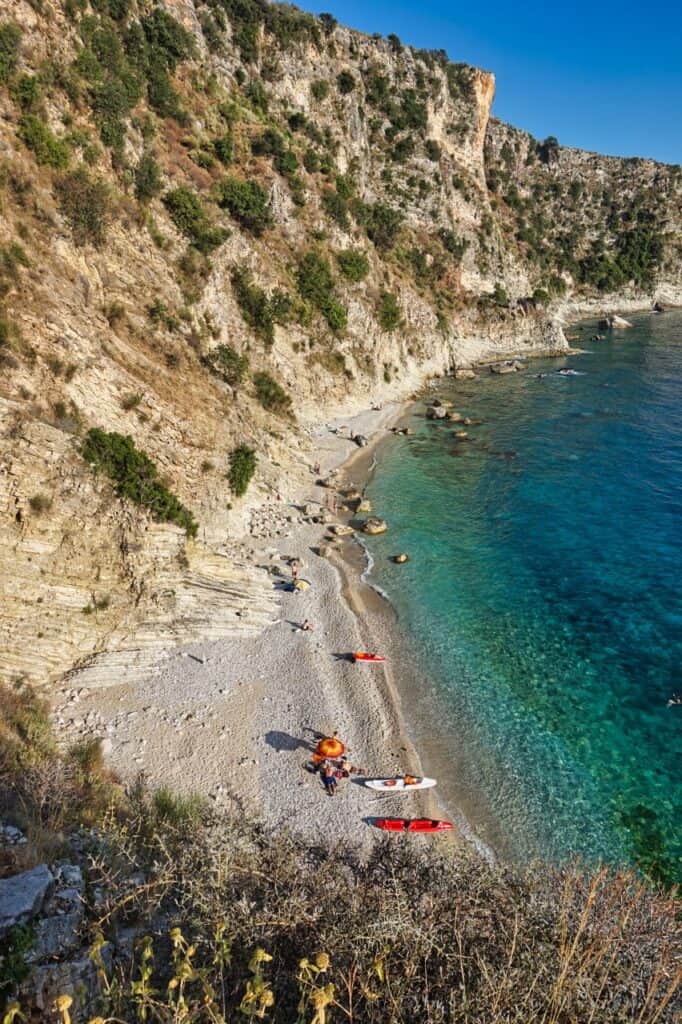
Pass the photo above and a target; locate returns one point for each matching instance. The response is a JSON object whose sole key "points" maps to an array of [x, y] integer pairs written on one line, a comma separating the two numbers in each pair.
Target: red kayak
{"points": [[366, 656], [413, 825]]}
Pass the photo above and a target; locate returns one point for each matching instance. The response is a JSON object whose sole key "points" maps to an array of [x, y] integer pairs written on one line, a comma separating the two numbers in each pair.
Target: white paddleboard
{"points": [[399, 784]]}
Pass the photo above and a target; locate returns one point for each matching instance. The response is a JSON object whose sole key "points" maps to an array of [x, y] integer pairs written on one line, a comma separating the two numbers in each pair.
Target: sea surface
{"points": [[542, 603]]}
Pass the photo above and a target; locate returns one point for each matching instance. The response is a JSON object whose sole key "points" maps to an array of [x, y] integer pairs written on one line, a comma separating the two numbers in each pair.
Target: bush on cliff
{"points": [[86, 204], [353, 264], [316, 284], [189, 216], [10, 38], [260, 310], [247, 202], [270, 394], [135, 477], [229, 364], [242, 467]]}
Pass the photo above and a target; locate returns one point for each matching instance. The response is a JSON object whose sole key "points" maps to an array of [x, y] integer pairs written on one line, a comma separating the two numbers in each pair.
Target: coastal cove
{"points": [[540, 607]]}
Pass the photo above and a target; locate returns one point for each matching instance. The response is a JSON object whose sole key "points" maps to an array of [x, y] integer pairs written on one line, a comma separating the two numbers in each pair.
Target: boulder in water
{"points": [[465, 373], [401, 558], [374, 525], [436, 412]]}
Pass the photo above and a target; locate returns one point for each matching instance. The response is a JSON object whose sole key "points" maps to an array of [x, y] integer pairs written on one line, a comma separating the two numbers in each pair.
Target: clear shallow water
{"points": [[543, 596]]}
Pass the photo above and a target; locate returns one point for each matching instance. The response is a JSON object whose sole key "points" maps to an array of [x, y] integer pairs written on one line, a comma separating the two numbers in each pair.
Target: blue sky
{"points": [[605, 76]]}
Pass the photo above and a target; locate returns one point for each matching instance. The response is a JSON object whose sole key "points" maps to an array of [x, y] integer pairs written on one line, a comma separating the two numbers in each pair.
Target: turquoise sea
{"points": [[543, 598]]}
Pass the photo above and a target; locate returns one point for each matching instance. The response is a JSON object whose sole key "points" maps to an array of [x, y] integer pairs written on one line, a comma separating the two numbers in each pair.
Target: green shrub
{"points": [[455, 245], [271, 395], [10, 37], [177, 810], [242, 467], [311, 160], [229, 365], [147, 178], [382, 224], [224, 148], [316, 284], [168, 41], [402, 150], [319, 89], [353, 264], [260, 310], [500, 296], [388, 311], [257, 95], [247, 202], [85, 203], [40, 503], [135, 477], [47, 148], [189, 216], [159, 313], [162, 96], [432, 150], [345, 83], [26, 93], [336, 207]]}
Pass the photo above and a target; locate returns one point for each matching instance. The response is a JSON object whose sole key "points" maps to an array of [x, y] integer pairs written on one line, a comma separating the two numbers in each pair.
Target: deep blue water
{"points": [[543, 594]]}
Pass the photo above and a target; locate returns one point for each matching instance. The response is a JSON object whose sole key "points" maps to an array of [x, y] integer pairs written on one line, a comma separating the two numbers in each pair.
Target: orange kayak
{"points": [[366, 656], [413, 825]]}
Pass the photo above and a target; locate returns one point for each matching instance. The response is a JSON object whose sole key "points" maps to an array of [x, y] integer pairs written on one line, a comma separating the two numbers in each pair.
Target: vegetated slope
{"points": [[181, 913], [217, 220]]}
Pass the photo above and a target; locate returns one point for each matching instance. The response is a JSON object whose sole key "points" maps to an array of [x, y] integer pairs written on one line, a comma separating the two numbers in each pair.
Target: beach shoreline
{"points": [[230, 719]]}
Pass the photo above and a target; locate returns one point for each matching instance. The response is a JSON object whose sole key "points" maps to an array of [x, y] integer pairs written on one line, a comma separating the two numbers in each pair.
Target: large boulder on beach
{"points": [[341, 530], [352, 494], [436, 412], [361, 441], [374, 525], [364, 505]]}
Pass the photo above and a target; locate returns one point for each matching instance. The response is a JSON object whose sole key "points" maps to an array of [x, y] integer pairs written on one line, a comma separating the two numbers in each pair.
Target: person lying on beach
{"points": [[329, 779]]}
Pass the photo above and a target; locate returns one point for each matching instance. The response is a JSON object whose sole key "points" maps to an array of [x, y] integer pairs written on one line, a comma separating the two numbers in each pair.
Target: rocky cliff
{"points": [[221, 221]]}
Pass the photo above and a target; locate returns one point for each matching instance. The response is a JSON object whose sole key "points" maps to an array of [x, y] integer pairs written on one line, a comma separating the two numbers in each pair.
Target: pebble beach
{"points": [[236, 720]]}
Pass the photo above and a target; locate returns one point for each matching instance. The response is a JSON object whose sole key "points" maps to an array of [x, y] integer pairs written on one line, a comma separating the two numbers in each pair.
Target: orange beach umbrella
{"points": [[330, 746]]}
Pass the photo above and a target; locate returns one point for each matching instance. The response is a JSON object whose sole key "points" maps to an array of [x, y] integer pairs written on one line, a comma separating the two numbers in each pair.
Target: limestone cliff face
{"points": [[115, 305]]}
